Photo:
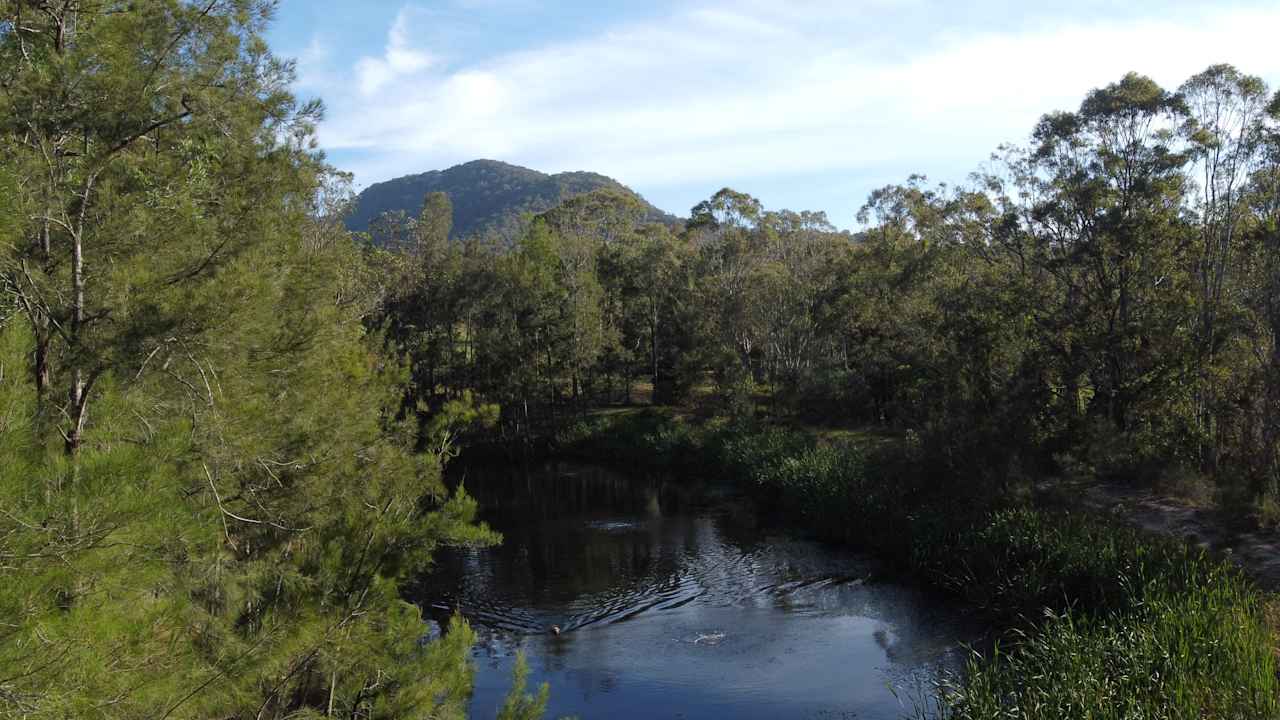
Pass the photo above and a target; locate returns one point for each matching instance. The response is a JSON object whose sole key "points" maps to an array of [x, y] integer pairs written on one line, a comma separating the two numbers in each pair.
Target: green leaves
{"points": [[518, 705], [455, 417], [1133, 97], [229, 534]]}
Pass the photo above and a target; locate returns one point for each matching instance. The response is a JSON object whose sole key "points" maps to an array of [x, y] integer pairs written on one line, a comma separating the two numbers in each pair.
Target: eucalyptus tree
{"points": [[657, 264], [590, 231], [730, 245], [518, 331], [423, 304], [1226, 110], [795, 285], [1102, 228], [1261, 447], [916, 329]]}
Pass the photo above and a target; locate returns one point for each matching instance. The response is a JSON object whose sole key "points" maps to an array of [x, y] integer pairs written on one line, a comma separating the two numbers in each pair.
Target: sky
{"points": [[805, 104]]}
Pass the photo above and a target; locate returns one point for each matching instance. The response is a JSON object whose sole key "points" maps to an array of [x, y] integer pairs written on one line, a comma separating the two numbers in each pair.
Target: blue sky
{"points": [[806, 104]]}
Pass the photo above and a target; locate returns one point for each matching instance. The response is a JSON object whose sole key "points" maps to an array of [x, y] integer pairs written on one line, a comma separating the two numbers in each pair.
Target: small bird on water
{"points": [[555, 629]]}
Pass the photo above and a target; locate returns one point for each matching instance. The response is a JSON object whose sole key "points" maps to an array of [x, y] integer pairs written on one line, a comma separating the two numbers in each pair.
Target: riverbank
{"points": [[1105, 620], [1255, 550]]}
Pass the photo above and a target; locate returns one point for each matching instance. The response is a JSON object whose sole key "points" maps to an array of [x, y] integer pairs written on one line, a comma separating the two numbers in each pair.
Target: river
{"points": [[675, 599]]}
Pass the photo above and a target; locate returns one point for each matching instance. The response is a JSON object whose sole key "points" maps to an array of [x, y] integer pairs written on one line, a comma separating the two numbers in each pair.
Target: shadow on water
{"points": [[675, 600]]}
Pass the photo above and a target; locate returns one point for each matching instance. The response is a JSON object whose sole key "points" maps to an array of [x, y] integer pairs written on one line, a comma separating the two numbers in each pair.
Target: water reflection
{"points": [[674, 600]]}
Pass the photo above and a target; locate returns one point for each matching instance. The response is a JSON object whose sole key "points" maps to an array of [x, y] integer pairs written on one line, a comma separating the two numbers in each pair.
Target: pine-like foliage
{"points": [[206, 497]]}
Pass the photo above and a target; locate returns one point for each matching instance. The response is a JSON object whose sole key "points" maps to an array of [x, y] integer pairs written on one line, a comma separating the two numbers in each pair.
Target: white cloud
{"points": [[399, 59], [753, 89]]}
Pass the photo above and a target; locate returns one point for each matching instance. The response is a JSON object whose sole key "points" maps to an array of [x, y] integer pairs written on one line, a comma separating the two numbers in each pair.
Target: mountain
{"points": [[487, 196]]}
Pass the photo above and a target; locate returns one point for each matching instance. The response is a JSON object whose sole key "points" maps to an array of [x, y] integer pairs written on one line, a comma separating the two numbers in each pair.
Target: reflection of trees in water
{"points": [[585, 545], [570, 531], [513, 495], [578, 536], [639, 571]]}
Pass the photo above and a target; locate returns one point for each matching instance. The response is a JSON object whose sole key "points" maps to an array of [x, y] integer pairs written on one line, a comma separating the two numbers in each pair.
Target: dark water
{"points": [[675, 601]]}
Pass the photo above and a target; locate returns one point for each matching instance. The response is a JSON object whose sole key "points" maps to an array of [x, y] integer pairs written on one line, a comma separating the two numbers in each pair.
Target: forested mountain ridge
{"points": [[488, 196]]}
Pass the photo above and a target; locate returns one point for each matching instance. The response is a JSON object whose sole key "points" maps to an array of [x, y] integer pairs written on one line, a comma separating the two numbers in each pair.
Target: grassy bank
{"points": [[1105, 622]]}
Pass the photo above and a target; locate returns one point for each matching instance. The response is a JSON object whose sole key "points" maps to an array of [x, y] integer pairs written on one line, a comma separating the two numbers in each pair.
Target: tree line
{"points": [[1100, 299]]}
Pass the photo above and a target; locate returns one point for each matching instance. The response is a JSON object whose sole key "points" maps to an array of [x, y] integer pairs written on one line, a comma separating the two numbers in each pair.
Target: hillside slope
{"points": [[487, 196]]}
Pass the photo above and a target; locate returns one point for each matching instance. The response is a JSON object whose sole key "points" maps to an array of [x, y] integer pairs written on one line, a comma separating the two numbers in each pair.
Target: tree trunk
{"points": [[81, 381], [40, 325], [653, 343], [79, 385], [40, 365]]}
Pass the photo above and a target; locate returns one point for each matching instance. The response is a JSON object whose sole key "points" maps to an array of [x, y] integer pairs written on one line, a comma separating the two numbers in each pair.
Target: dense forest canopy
{"points": [[224, 415]]}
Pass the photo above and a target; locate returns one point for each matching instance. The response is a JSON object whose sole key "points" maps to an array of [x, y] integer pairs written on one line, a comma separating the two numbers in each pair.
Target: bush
{"points": [[647, 438], [1183, 482], [1267, 509]]}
